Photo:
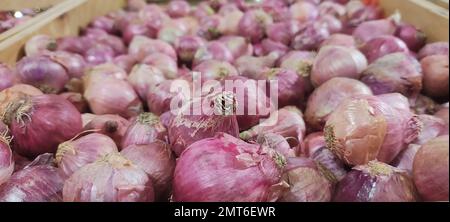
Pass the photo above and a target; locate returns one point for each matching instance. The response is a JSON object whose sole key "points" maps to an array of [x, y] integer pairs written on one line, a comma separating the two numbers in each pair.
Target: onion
{"points": [[253, 24], [366, 31], [32, 119], [136, 28], [404, 160], [178, 8], [270, 46], [328, 96], [154, 16], [99, 54], [283, 32], [165, 63], [276, 142], [6, 155], [144, 78], [332, 8], [166, 118], [76, 153], [187, 46], [350, 64], [376, 182], [336, 167], [298, 61], [435, 76], [101, 37], [339, 40], [423, 105], [72, 44], [436, 48], [308, 182], [355, 131], [217, 116], [38, 44], [311, 144], [414, 38], [104, 71], [20, 162], [287, 122], [311, 37], [112, 126], [15, 92], [226, 169], [304, 11], [159, 99], [202, 10], [432, 127], [126, 62], [211, 27], [396, 101], [144, 129], [43, 73], [112, 96], [105, 23], [6, 77], [443, 114], [40, 183], [136, 5], [73, 63], [383, 45], [157, 160], [213, 50], [430, 169], [112, 178], [397, 72], [171, 30], [251, 66], [230, 22], [237, 45], [141, 46], [77, 100], [215, 70]]}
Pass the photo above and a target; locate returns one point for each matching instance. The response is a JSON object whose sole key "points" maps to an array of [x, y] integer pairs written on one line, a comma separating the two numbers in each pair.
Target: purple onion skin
{"points": [[414, 38], [6, 155], [331, 162], [381, 46], [6, 77], [99, 54], [41, 183], [144, 129], [311, 37], [253, 24], [436, 48], [186, 47]]}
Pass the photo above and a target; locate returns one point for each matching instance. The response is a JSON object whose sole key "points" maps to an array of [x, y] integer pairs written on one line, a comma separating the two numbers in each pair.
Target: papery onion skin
{"points": [[105, 23], [41, 183], [74, 154], [112, 178], [187, 46], [178, 8], [171, 30], [396, 101], [276, 142], [32, 119], [372, 29], [144, 78], [77, 100], [443, 114], [40, 43], [213, 50], [331, 23], [136, 28], [6, 155], [103, 71], [298, 61], [432, 127], [71, 44], [126, 62], [164, 63], [6, 77], [15, 92], [144, 129], [73, 63], [376, 182], [307, 182], [253, 24], [397, 72], [436, 76], [251, 66], [159, 99], [436, 48], [325, 99], [340, 40], [311, 37], [405, 159], [414, 38], [99, 54], [142, 46], [423, 105], [326, 66], [242, 172], [113, 126], [237, 45], [304, 11], [215, 70], [158, 161], [335, 166], [270, 46], [381, 46], [430, 169], [311, 144]]}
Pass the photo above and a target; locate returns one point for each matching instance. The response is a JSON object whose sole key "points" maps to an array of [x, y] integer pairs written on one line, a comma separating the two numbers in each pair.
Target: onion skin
{"points": [[366, 31], [270, 46], [397, 72], [336, 167], [43, 73], [311, 37], [430, 169], [325, 67], [164, 63], [340, 40], [171, 30], [213, 50], [376, 182], [237, 45], [443, 114], [159, 99], [77, 100], [105, 23], [304, 11], [187, 46], [99, 54], [251, 66], [158, 161], [126, 62], [423, 105], [435, 76], [432, 127], [15, 92], [327, 97], [144, 129], [178, 8], [396, 101], [32, 119], [73, 63], [381, 46], [144, 78], [276, 142], [298, 61], [242, 172], [6, 77], [40, 43], [283, 32], [307, 182], [414, 38], [112, 126], [41, 183], [101, 72], [405, 159], [74, 154], [112, 178], [6, 155], [72, 44], [215, 70], [436, 48], [253, 24], [312, 143], [141, 47]]}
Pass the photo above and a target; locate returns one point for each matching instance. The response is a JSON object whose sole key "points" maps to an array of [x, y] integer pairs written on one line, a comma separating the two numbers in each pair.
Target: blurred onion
{"points": [[436, 48], [6, 155], [112, 126], [253, 24], [187, 46], [141, 46], [383, 45], [215, 70], [73, 63], [311, 37], [368, 30], [38, 44], [339, 40], [251, 66], [178, 8], [435, 76], [414, 38], [144, 78], [6, 77], [126, 62], [77, 100], [304, 11], [144, 129], [213, 50]]}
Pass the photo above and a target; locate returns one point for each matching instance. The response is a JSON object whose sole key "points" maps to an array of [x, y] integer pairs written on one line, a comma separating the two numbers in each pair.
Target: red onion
{"points": [[304, 11], [328, 96], [38, 44], [105, 23], [113, 126], [101, 37], [217, 4], [136, 5], [230, 22], [270, 46], [73, 63], [432, 127], [253, 24], [355, 131], [283, 32], [435, 76], [6, 77], [190, 23], [142, 46], [187, 46], [178, 8], [112, 96], [237, 45], [397, 72], [136, 28], [101, 72], [144, 129], [40, 183], [213, 50], [430, 169], [77, 100], [414, 38], [72, 44], [211, 27], [358, 12], [220, 116], [159, 99], [112, 178], [436, 48], [350, 64], [6, 155], [332, 8], [32, 119], [443, 114], [340, 40], [202, 10], [126, 62], [396, 101], [20, 162], [99, 54], [287, 122], [405, 159], [15, 92], [163, 62], [308, 182], [74, 154], [144, 78], [366, 31], [157, 160], [327, 159], [376, 182], [215, 70], [154, 16], [311, 144], [311, 37], [251, 67], [242, 172], [43, 73], [423, 105], [383, 45], [166, 118], [331, 23], [298, 61], [171, 30], [276, 142]]}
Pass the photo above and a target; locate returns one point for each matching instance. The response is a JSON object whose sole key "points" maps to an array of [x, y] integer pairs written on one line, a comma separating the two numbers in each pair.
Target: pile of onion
{"points": [[6, 77], [144, 129], [6, 155], [113, 126]]}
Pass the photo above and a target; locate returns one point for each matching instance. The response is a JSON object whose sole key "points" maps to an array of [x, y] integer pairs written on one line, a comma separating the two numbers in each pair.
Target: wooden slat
{"points": [[64, 19], [15, 5], [427, 16], [442, 3]]}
